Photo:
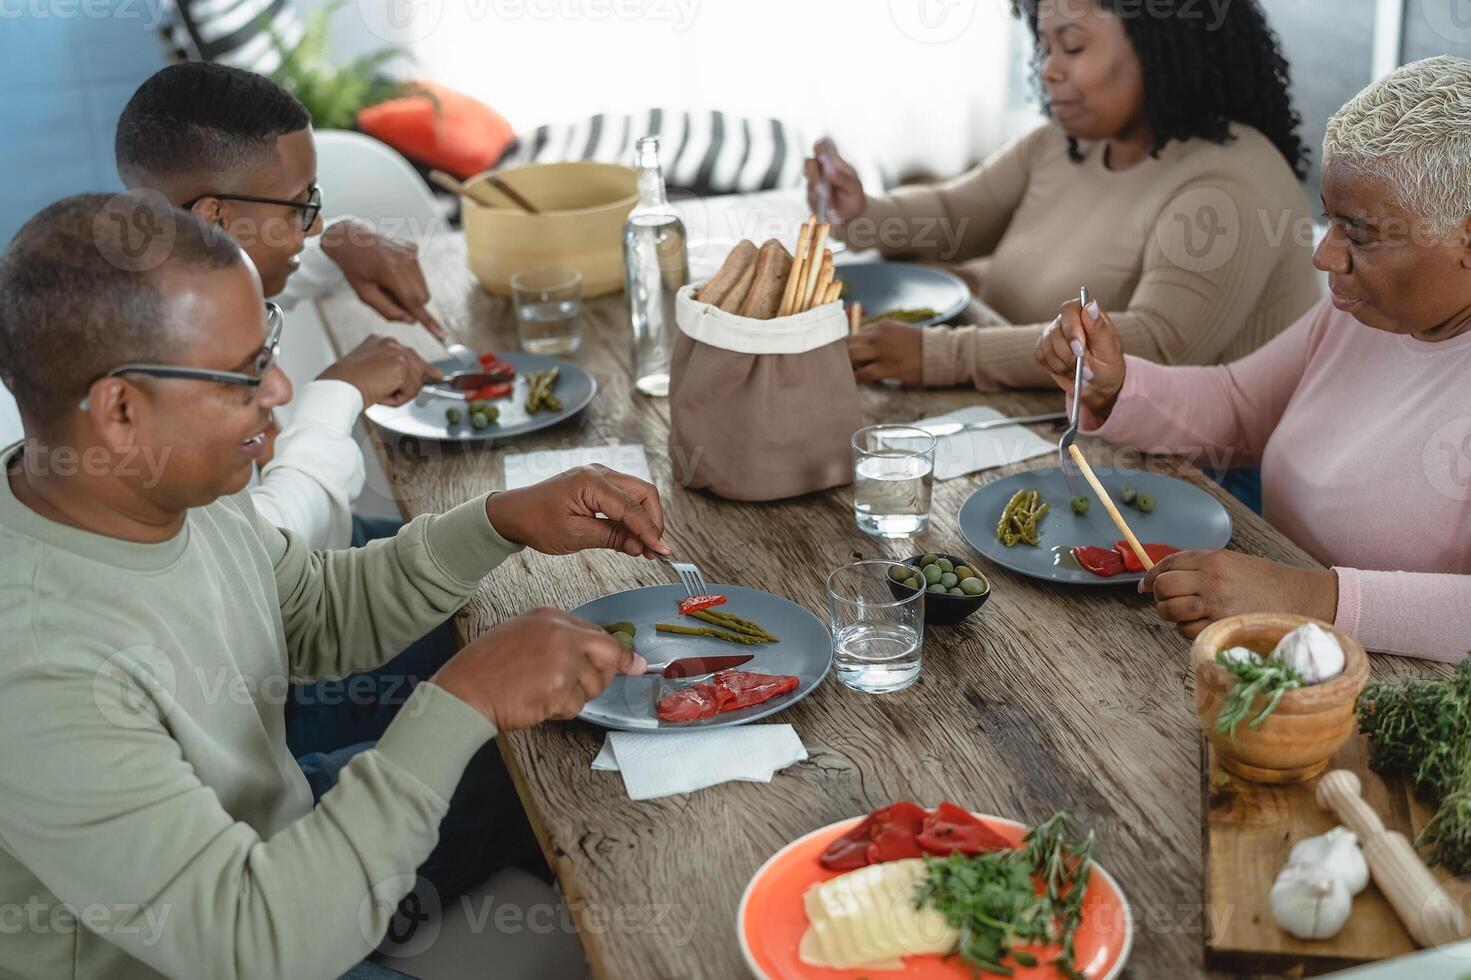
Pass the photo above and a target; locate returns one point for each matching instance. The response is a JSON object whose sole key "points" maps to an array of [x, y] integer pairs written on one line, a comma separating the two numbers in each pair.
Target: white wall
{"points": [[918, 83]]}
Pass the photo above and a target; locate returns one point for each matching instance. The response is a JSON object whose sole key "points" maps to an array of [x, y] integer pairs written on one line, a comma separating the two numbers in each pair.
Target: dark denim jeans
{"points": [[1243, 484]]}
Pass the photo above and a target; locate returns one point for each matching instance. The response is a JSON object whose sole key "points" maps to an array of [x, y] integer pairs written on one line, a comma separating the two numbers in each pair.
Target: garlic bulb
{"points": [[1312, 652], [1337, 852], [1309, 902], [1241, 655]]}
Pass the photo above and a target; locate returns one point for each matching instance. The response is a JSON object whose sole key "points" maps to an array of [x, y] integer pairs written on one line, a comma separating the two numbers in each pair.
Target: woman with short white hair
{"points": [[1359, 414]]}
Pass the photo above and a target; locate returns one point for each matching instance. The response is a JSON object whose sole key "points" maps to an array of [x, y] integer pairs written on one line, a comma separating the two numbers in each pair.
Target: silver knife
{"points": [[940, 429]]}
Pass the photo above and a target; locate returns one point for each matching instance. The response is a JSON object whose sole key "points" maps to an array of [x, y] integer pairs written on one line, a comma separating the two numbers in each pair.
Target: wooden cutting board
{"points": [[1247, 830]]}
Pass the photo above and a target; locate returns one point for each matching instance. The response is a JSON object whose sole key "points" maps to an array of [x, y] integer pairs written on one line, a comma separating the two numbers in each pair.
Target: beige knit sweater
{"points": [[1201, 255]]}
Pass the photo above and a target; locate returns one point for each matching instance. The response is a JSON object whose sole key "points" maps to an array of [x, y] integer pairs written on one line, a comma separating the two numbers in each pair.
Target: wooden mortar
{"points": [[1307, 726]]}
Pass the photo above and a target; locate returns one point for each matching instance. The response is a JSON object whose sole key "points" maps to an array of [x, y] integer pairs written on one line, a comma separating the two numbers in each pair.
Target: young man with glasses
{"points": [[152, 820], [237, 150]]}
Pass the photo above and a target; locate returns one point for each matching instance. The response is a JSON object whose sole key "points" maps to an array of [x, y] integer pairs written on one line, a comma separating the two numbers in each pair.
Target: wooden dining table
{"points": [[1050, 698]]}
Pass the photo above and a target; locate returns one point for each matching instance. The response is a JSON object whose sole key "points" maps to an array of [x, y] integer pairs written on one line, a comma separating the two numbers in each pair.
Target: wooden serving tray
{"points": [[1247, 830]]}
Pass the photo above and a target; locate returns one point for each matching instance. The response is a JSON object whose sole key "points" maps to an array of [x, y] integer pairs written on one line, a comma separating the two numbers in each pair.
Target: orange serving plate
{"points": [[772, 919]]}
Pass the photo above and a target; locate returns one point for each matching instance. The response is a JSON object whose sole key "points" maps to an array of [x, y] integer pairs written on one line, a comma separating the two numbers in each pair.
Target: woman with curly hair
{"points": [[1167, 181]]}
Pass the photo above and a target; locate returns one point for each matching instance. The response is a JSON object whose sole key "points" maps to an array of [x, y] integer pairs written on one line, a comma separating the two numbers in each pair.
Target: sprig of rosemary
{"points": [[1422, 729], [992, 898], [1269, 678]]}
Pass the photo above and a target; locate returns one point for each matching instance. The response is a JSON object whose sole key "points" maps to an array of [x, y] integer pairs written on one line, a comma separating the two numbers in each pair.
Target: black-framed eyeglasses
{"points": [[309, 209], [265, 359]]}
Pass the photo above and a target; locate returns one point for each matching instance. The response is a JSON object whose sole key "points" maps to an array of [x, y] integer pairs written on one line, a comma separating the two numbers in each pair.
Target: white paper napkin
{"points": [[663, 765], [967, 452], [524, 469]]}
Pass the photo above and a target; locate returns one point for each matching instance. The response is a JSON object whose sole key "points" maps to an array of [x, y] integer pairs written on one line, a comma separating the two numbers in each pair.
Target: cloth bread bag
{"points": [[761, 409]]}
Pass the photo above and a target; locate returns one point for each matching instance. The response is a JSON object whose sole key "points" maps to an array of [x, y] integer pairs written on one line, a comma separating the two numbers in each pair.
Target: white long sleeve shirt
{"points": [[318, 469]]}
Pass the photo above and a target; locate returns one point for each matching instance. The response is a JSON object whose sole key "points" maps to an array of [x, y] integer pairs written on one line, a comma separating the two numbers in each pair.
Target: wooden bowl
{"points": [[583, 206], [1307, 726]]}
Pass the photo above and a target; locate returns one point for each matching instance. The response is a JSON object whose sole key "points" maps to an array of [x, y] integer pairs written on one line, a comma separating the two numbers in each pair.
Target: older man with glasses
{"points": [[152, 820]]}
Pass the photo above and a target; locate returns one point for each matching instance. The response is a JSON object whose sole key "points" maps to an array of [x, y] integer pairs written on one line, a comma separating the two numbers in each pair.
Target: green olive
{"points": [[972, 586], [957, 592], [963, 572], [492, 413], [625, 639], [477, 406], [927, 560], [932, 574], [913, 583], [900, 572], [936, 589], [478, 420], [452, 416], [1128, 495], [946, 565], [949, 580], [1081, 505], [1145, 502]]}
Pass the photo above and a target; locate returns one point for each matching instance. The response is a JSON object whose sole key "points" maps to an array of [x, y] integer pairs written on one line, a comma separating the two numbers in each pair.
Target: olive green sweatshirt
{"points": [[152, 820]]}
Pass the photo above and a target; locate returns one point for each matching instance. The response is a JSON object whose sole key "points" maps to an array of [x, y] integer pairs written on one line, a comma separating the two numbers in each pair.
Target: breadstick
{"points": [[789, 295], [855, 317], [819, 247], [834, 291], [824, 280]]}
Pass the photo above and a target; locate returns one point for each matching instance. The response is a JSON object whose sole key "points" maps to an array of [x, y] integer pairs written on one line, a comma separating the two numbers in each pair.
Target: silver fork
{"points": [[689, 576], [463, 354], [1071, 434]]}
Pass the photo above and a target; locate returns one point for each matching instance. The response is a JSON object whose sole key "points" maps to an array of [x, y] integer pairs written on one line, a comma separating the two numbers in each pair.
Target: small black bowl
{"points": [[947, 609]]}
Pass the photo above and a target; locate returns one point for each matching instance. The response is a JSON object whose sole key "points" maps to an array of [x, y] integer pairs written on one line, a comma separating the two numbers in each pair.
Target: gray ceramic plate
{"points": [[424, 416], [884, 286], [805, 651], [1184, 516]]}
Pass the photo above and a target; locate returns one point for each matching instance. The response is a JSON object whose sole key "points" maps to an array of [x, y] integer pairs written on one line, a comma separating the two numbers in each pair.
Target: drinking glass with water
{"points": [[893, 473], [877, 626], [548, 304]]}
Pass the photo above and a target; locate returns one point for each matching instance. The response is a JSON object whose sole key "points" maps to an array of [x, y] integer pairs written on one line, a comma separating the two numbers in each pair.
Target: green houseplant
{"points": [[333, 93]]}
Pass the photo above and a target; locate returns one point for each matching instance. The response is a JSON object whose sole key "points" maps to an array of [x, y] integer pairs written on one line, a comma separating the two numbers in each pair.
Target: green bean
{"points": [[707, 631], [733, 624]]}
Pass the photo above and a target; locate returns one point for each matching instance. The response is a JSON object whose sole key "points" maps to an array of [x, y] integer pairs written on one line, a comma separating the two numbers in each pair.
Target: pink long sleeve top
{"points": [[1364, 443]]}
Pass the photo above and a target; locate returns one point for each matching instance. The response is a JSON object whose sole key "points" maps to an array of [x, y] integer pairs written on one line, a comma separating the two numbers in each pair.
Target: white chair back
{"points": [[367, 179]]}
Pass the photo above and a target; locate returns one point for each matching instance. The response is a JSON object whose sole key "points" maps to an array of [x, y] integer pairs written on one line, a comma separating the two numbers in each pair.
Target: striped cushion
{"points": [[703, 152], [232, 32]]}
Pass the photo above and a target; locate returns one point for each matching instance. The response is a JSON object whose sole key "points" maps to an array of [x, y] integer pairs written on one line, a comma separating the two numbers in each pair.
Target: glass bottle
{"points": [[655, 266]]}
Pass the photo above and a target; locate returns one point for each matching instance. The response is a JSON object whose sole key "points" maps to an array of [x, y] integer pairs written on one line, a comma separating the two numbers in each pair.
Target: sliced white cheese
{"points": [[867, 918]]}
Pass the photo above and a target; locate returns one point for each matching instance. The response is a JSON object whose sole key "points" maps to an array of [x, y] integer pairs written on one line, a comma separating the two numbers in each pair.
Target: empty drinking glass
{"points": [[877, 626], [893, 472], [548, 305]]}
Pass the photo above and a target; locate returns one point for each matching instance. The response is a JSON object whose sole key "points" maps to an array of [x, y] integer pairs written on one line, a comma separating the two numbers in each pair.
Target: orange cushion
{"points": [[458, 135]]}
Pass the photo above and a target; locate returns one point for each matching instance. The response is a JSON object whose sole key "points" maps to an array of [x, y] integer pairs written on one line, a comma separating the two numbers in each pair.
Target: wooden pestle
{"points": [[1427, 912]]}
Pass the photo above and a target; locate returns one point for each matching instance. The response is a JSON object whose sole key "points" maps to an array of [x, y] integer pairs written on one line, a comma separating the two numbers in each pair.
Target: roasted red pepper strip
{"points": [[951, 829], [696, 603], [1104, 562], [1131, 560], [491, 392], [894, 831], [849, 852], [488, 358]]}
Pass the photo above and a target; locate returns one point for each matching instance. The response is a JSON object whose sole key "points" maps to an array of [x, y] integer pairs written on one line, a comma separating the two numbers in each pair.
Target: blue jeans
{"points": [[1243, 484], [326, 715], [368, 970]]}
